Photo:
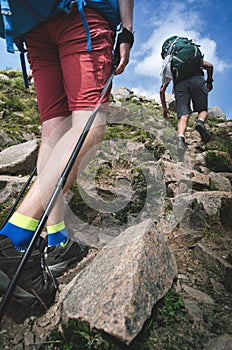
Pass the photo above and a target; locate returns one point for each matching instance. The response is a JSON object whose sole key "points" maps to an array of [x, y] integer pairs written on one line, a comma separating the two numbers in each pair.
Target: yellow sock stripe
{"points": [[56, 228], [23, 221]]}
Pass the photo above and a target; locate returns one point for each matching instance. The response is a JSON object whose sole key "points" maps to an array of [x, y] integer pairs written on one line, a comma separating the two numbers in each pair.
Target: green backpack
{"points": [[186, 57]]}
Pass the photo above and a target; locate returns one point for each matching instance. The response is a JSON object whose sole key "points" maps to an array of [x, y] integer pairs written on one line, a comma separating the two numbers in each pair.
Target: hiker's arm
{"points": [[209, 69], [163, 100], [126, 8]]}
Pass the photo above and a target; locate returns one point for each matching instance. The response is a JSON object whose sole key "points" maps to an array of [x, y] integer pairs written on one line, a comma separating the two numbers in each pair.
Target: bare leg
{"points": [[95, 136], [182, 125], [51, 169], [202, 115], [52, 131]]}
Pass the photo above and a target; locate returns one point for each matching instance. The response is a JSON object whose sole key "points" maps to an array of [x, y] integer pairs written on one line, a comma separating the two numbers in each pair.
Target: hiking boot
{"points": [[181, 148], [200, 127], [58, 259], [34, 286]]}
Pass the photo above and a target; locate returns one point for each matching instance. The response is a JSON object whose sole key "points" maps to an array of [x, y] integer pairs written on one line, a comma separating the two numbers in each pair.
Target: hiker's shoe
{"points": [[181, 148], [200, 127], [35, 287], [58, 258]]}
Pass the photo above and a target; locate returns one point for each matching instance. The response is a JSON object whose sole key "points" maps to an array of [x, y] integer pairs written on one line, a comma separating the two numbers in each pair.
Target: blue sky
{"points": [[205, 21]]}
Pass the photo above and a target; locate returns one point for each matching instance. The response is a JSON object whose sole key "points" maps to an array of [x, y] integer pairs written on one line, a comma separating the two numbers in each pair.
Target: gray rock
{"points": [[215, 263], [19, 159], [219, 182], [121, 93], [4, 77], [194, 310], [117, 291], [203, 208], [10, 186], [4, 139], [216, 112], [226, 124], [198, 295], [222, 342]]}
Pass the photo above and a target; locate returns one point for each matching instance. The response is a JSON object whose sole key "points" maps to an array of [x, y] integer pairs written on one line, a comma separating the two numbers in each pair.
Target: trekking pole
{"points": [[21, 193], [59, 186]]}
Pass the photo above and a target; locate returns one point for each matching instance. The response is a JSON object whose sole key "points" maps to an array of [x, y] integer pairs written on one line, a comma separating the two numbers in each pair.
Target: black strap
{"points": [[24, 70], [126, 36]]}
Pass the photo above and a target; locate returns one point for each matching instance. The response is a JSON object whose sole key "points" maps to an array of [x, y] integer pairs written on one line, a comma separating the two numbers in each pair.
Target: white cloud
{"points": [[176, 20], [150, 92], [141, 91], [209, 48]]}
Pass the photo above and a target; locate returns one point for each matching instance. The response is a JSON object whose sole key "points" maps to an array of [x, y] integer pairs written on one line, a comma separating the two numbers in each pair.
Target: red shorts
{"points": [[66, 76]]}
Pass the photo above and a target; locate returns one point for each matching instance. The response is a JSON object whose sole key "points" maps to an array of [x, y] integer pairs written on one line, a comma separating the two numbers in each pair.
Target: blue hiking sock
{"points": [[57, 235], [20, 229]]}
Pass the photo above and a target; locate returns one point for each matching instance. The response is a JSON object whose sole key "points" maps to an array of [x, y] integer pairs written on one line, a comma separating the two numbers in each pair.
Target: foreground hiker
{"points": [[184, 65], [68, 80]]}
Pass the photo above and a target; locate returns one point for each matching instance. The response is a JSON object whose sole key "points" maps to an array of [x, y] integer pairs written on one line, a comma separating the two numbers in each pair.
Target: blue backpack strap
{"points": [[109, 9], [80, 4], [8, 28], [66, 5]]}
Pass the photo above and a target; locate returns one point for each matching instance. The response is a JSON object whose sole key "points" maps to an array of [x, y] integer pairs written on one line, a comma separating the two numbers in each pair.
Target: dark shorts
{"points": [[192, 90], [66, 76]]}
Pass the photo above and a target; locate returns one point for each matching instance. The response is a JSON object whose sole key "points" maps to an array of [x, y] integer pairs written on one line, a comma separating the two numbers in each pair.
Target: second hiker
{"points": [[184, 64]]}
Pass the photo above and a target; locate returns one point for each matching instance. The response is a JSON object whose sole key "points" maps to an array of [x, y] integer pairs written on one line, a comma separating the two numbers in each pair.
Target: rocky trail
{"points": [[195, 312]]}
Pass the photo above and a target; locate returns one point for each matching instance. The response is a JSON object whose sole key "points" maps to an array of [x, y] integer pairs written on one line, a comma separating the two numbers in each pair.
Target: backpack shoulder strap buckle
{"points": [[73, 4]]}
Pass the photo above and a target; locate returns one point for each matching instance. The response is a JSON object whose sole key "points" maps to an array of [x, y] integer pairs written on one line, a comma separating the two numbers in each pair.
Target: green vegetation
{"points": [[219, 156], [76, 335], [171, 304], [18, 107], [212, 186], [213, 122], [221, 141], [135, 134], [107, 173], [218, 162]]}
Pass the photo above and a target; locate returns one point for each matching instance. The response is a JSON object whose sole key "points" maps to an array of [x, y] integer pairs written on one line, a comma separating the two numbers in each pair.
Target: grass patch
{"points": [[76, 335], [221, 141], [218, 162], [171, 304], [19, 106]]}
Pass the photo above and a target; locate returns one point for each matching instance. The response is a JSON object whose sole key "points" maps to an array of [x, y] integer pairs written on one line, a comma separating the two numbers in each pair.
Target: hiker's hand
{"points": [[210, 86], [124, 53], [125, 42], [209, 83]]}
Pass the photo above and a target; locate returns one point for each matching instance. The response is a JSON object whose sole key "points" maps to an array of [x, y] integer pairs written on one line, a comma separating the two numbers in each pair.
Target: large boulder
{"points": [[204, 209], [19, 159], [216, 112], [117, 291]]}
